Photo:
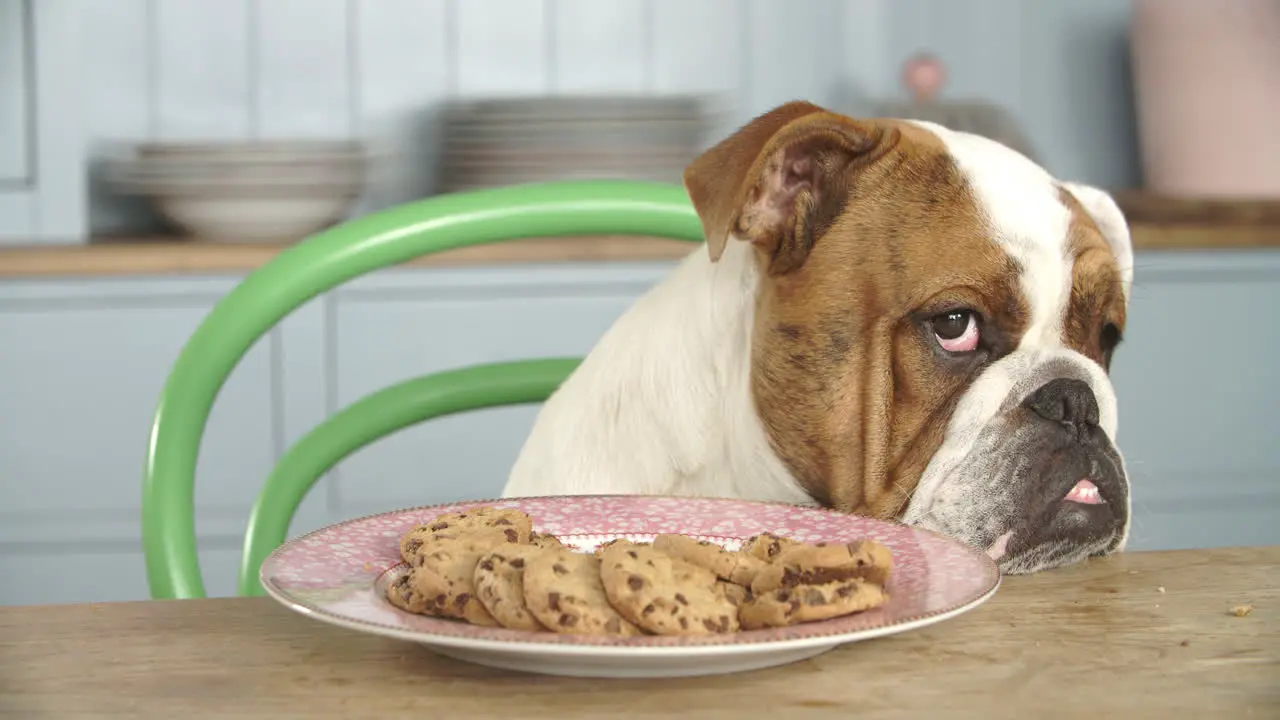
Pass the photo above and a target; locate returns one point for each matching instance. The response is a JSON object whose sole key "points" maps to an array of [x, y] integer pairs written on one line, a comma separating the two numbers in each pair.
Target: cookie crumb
{"points": [[1242, 610], [1160, 589]]}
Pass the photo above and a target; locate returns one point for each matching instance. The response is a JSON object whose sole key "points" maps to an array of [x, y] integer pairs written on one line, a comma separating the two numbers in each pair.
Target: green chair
{"points": [[319, 264]]}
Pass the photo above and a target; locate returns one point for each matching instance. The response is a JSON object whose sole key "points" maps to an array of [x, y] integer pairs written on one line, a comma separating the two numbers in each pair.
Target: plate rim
{"points": [[526, 646]]}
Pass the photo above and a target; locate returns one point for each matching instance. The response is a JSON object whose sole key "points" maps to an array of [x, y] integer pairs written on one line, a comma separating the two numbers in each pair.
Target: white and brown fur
{"points": [[786, 360]]}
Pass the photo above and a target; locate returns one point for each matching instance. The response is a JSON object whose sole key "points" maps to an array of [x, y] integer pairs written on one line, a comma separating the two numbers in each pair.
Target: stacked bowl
{"points": [[493, 142], [247, 191]]}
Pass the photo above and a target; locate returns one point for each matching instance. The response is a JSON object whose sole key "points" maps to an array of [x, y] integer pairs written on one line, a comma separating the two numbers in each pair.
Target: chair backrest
{"points": [[319, 264]]}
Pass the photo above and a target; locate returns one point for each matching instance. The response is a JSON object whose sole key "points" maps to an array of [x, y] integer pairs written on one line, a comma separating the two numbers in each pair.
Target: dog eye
{"points": [[956, 331]]}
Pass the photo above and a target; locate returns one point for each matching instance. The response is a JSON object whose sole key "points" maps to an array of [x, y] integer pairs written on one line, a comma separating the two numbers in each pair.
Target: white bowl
{"points": [[250, 151], [244, 219], [246, 192]]}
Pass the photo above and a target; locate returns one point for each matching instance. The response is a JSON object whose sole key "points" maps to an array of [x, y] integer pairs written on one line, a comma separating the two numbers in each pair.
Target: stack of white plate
{"points": [[494, 142], [247, 191]]}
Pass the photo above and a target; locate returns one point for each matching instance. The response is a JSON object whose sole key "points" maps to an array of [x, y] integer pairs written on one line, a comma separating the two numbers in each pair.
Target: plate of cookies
{"points": [[627, 586]]}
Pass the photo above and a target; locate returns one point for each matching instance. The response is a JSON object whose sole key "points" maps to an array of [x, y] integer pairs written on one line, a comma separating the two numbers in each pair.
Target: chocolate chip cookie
{"points": [[499, 583], [733, 592], [766, 546], [736, 567], [821, 564], [545, 540], [662, 594], [562, 589], [404, 595], [807, 603], [445, 578], [609, 543], [478, 524]]}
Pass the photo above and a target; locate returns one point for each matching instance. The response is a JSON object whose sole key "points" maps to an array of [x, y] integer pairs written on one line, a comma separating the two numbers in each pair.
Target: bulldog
{"points": [[888, 318]]}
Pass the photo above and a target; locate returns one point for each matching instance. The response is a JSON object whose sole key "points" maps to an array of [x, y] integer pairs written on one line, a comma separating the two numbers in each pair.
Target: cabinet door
{"points": [[1198, 382], [81, 367], [42, 183], [16, 87], [403, 325]]}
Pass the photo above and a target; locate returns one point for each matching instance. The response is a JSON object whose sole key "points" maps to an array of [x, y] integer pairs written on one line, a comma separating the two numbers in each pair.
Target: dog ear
{"points": [[781, 180], [1110, 220]]}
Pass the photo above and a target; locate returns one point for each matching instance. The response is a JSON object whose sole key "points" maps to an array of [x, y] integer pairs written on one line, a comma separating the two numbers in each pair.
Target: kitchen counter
{"points": [[179, 256], [1141, 635], [176, 256], [1156, 223]]}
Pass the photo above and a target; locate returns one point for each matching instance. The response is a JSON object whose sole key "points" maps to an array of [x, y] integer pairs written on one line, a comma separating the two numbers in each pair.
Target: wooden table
{"points": [[1136, 636]]}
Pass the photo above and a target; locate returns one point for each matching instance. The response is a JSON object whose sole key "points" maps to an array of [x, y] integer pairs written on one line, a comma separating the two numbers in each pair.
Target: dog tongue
{"points": [[1085, 492]]}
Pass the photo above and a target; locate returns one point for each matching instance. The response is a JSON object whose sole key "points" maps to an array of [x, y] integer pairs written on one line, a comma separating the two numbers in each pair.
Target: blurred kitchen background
{"points": [[152, 152]]}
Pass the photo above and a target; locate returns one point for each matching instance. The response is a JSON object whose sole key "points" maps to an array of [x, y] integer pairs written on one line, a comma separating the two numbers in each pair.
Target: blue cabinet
{"points": [[1198, 384], [82, 361]]}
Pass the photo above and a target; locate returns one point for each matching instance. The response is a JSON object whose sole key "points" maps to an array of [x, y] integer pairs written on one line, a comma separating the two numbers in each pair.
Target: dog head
{"points": [[934, 324]]}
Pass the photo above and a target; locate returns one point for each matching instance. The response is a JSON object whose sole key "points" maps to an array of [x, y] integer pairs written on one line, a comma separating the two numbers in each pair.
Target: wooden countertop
{"points": [[178, 256], [175, 256], [1141, 635], [1156, 224]]}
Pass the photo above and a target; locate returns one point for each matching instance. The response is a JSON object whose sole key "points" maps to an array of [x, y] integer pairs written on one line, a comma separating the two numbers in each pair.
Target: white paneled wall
{"points": [[594, 46], [180, 69], [15, 119], [303, 54], [1060, 66], [42, 179], [204, 67]]}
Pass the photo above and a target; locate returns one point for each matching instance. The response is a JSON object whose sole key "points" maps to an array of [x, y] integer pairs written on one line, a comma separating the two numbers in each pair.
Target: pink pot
{"points": [[1207, 85]]}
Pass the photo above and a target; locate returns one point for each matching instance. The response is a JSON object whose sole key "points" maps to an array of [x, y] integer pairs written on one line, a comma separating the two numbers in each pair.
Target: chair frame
{"points": [[319, 264]]}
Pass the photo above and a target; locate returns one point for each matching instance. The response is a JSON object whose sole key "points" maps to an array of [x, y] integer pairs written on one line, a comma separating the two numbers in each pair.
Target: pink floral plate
{"points": [[338, 575]]}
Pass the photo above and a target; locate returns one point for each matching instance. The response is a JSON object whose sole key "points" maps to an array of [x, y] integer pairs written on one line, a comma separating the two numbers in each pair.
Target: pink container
{"points": [[1207, 85]]}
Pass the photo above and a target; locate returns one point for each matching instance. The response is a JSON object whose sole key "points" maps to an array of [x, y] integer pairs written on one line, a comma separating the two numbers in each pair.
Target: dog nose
{"points": [[1065, 400]]}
